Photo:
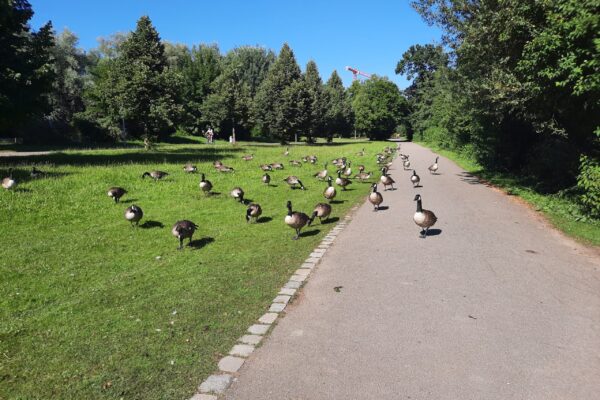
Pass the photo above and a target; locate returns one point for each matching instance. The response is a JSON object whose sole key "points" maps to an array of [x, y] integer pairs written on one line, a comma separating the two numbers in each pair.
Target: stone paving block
{"points": [[316, 255], [199, 396], [277, 307], [287, 291], [292, 285], [308, 265], [242, 350], [258, 329], [251, 339], [215, 384], [268, 318], [320, 251], [311, 260], [302, 272], [230, 363], [298, 278], [281, 299]]}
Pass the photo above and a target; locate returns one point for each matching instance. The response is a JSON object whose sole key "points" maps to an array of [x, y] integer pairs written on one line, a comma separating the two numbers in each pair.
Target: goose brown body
{"points": [[293, 181], [266, 179], [375, 197], [205, 185], [415, 179], [189, 168], [343, 182], [423, 218], [238, 194], [296, 220], [253, 211], [248, 157], [9, 182], [434, 167], [329, 193], [156, 175], [322, 210], [386, 180], [133, 214], [184, 229], [116, 193]]}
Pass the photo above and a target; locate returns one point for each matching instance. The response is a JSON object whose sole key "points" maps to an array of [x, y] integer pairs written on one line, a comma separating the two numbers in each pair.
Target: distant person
{"points": [[209, 135]]}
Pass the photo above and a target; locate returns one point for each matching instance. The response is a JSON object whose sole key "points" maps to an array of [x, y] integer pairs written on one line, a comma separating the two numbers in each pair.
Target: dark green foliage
{"points": [[315, 121], [589, 182], [338, 109]]}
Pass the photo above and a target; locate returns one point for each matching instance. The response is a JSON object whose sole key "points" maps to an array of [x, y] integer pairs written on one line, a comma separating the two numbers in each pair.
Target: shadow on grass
{"points": [[23, 175], [337, 201], [309, 233], [152, 224], [128, 201], [264, 220], [200, 243], [331, 220]]}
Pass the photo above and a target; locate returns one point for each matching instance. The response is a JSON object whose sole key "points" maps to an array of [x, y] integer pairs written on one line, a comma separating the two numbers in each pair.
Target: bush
{"points": [[589, 182]]}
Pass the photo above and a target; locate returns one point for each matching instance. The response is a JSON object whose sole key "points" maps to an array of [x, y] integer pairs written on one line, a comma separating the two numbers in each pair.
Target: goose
{"points": [[361, 153], [403, 157], [189, 168], [343, 182], [238, 194], [305, 158], [277, 165], [296, 220], [375, 197], [266, 167], [217, 164], [293, 180], [205, 185], [36, 173], [116, 193], [339, 161], [348, 170], [434, 167], [406, 165], [156, 175], [329, 192], [224, 168], [322, 210], [9, 182], [295, 163], [266, 179], [248, 157], [361, 168], [322, 174], [254, 211], [415, 179], [386, 179], [313, 159], [363, 176], [287, 151], [424, 218], [134, 214], [184, 229]]}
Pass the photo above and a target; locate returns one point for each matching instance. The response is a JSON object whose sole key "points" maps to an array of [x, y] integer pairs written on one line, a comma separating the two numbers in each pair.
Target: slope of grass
{"points": [[562, 211], [91, 308]]}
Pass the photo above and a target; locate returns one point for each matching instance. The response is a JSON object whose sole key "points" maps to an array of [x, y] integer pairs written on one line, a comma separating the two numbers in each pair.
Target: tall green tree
{"points": [[338, 108], [315, 118]]}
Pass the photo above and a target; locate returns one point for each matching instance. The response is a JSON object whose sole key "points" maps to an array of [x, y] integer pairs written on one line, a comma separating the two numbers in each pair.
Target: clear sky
{"points": [[368, 35]]}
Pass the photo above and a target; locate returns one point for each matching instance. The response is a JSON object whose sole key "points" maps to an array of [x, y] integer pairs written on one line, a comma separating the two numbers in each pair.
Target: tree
{"points": [[378, 108], [338, 108], [315, 116]]}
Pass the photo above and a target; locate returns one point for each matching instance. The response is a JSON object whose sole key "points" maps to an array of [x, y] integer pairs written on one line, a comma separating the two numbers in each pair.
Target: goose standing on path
{"points": [[205, 185], [329, 192], [238, 194], [184, 229], [343, 182], [296, 220], [293, 181], [415, 179], [156, 175], [116, 193], [134, 214], [424, 218], [322, 210], [375, 197], [434, 167], [266, 179], [406, 164], [9, 182], [386, 179], [254, 211]]}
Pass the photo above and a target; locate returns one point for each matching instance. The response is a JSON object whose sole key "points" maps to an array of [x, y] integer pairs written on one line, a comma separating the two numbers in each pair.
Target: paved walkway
{"points": [[496, 306]]}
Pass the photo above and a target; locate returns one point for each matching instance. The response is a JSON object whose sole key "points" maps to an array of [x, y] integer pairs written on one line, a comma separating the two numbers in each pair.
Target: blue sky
{"points": [[369, 35]]}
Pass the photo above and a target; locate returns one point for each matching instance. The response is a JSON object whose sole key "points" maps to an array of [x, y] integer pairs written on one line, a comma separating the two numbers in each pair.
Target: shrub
{"points": [[589, 182]]}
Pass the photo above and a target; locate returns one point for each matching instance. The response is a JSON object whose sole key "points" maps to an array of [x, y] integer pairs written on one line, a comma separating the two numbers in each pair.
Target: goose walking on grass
{"points": [[248, 157], [343, 182], [293, 181], [348, 170], [295, 163], [254, 211], [184, 229], [36, 173], [361, 153], [238, 194], [322, 210], [266, 179], [224, 168], [329, 192], [134, 214], [266, 167], [156, 175], [9, 182], [385, 179], [277, 165], [286, 152], [189, 168], [415, 179], [375, 197], [116, 193], [434, 167], [363, 176], [296, 220], [424, 218], [205, 185], [322, 174]]}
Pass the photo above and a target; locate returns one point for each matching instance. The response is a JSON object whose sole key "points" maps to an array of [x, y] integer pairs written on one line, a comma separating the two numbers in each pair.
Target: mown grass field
{"points": [[92, 308], [562, 211]]}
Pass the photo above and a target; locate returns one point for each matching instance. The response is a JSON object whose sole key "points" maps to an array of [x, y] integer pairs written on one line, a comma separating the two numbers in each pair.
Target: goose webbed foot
{"points": [[423, 234]]}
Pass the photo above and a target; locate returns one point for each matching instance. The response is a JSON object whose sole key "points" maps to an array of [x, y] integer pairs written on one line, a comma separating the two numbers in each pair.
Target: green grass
{"points": [[92, 308], [562, 211]]}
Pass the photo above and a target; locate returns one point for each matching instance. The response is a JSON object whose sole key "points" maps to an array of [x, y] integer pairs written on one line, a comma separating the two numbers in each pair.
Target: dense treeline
{"points": [[137, 86], [516, 86]]}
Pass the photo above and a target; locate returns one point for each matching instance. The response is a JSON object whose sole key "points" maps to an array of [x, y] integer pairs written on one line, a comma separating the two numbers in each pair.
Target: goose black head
{"points": [[436, 159], [414, 172], [417, 197], [374, 186], [289, 205], [145, 174], [202, 177]]}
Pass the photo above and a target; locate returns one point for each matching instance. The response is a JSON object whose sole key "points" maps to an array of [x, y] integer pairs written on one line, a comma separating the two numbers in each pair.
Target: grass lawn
{"points": [[92, 308], [562, 211]]}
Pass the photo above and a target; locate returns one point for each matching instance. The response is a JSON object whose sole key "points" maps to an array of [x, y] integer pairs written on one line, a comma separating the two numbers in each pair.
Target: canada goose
{"points": [[313, 159], [156, 175], [295, 163], [254, 211], [277, 165], [386, 179], [265, 167], [322, 210], [348, 170], [35, 173], [361, 168], [296, 220], [322, 174], [293, 180], [217, 163], [224, 168], [403, 157], [434, 167], [248, 157], [363, 176], [238, 194], [423, 218], [339, 161], [9, 182], [361, 153], [287, 151], [406, 165], [375, 197], [116, 193], [266, 178], [329, 192], [133, 214], [415, 179], [305, 158], [205, 185], [184, 229], [189, 168], [343, 182]]}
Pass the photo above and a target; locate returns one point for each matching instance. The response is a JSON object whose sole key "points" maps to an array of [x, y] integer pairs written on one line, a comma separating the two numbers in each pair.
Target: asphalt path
{"points": [[494, 304]]}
